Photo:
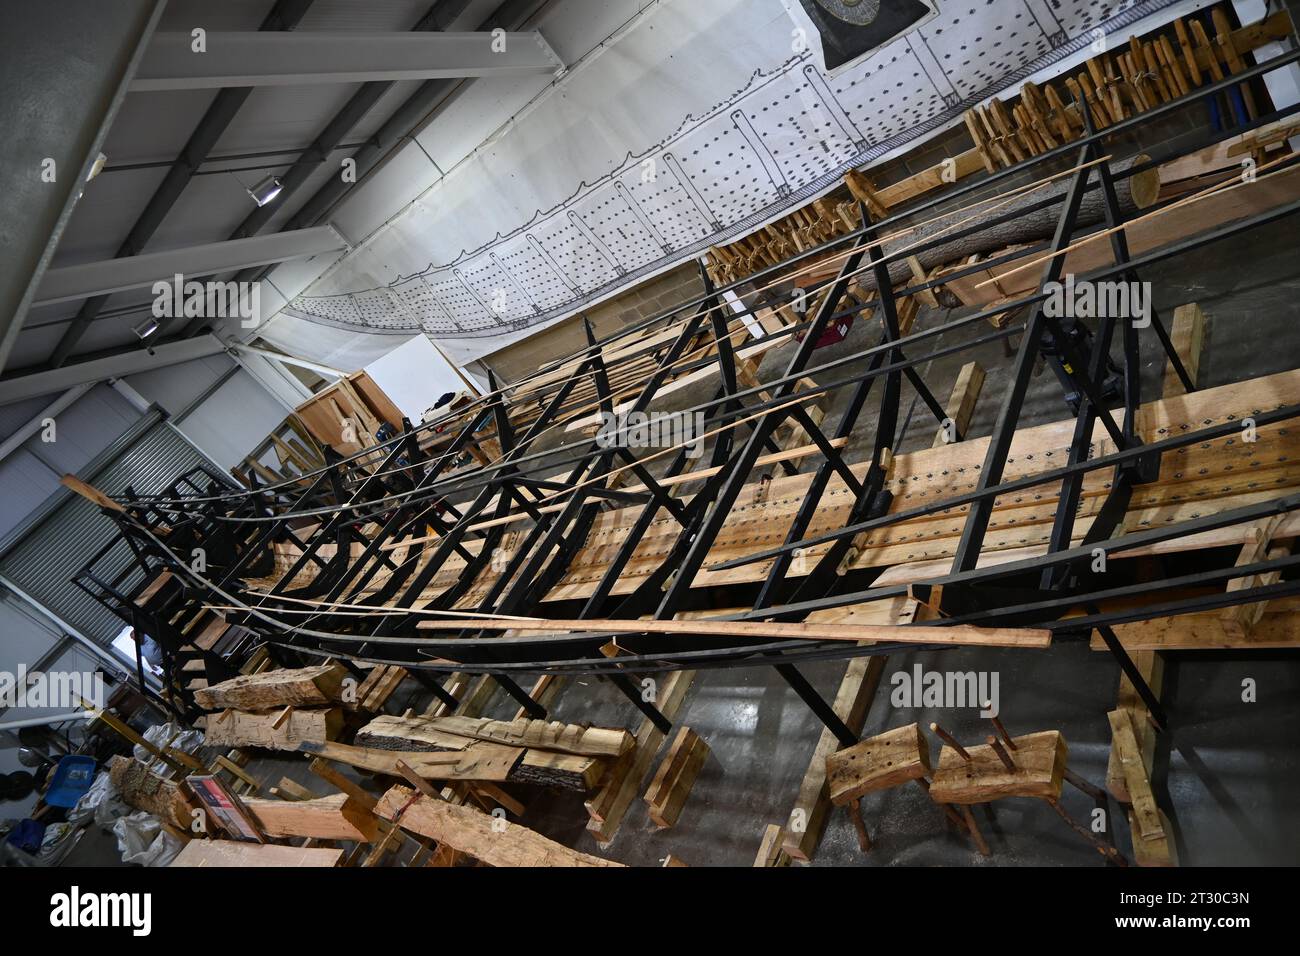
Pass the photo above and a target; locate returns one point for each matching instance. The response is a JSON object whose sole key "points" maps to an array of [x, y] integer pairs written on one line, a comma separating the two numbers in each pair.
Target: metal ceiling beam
{"points": [[128, 363], [296, 59], [407, 120], [117, 275], [62, 88], [285, 15], [440, 15]]}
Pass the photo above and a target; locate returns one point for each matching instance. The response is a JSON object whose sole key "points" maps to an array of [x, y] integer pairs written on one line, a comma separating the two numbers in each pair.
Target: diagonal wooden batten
{"points": [[913, 634]]}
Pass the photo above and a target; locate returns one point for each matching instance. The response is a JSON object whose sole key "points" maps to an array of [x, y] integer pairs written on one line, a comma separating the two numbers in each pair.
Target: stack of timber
{"points": [[1128, 80], [275, 709], [1174, 201], [565, 756], [672, 782], [1120, 83]]}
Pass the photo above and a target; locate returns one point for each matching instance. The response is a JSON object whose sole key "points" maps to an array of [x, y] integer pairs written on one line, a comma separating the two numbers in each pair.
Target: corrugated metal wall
{"points": [[44, 561]]}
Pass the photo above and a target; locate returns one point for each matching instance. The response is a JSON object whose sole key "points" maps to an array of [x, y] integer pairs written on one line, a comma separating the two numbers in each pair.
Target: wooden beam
{"points": [[493, 840], [315, 686], [961, 404], [958, 634], [807, 820], [672, 782], [336, 817], [480, 761], [538, 734], [235, 853], [283, 731]]}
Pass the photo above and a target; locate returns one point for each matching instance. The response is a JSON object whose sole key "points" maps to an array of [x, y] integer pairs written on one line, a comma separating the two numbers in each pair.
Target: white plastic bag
{"points": [[161, 735], [141, 839]]}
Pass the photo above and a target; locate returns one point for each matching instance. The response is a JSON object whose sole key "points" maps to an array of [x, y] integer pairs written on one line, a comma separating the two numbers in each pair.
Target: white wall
{"points": [[233, 419], [414, 375], [229, 422], [31, 473]]}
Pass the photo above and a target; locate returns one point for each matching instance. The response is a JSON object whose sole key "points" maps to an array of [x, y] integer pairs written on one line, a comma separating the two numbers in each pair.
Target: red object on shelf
{"points": [[835, 332]]}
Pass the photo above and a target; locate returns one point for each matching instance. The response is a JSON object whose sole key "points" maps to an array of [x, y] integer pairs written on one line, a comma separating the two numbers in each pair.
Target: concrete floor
{"points": [[1228, 772]]}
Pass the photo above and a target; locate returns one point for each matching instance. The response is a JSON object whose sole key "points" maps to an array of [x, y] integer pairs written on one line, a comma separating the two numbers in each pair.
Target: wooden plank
{"points": [[336, 817], [1203, 631], [1040, 765], [961, 404], [236, 728], [959, 634], [539, 734], [302, 687], [1135, 775], [479, 761], [234, 853], [808, 818], [493, 840], [91, 493]]}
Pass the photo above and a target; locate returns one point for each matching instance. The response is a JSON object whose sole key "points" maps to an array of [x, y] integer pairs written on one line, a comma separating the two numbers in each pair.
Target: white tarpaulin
{"points": [[727, 128]]}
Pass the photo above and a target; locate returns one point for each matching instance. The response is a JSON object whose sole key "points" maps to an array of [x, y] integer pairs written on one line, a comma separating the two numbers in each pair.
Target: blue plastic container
{"points": [[71, 779]]}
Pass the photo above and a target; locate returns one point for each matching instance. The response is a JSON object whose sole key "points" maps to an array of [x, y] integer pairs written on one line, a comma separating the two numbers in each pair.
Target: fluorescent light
{"points": [[265, 190], [147, 328]]}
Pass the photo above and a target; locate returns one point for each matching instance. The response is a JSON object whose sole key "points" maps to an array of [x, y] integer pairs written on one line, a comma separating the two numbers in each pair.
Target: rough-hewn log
{"points": [[565, 771], [274, 731], [495, 841], [539, 734], [336, 817], [480, 760], [302, 687], [145, 790], [1025, 227]]}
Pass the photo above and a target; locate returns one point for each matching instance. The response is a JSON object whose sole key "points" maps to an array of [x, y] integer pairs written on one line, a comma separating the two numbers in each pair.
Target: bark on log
{"points": [[1027, 228], [564, 771], [145, 790]]}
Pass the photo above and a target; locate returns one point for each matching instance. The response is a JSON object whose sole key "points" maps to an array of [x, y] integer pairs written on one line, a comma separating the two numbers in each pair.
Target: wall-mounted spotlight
{"points": [[146, 330], [264, 190]]}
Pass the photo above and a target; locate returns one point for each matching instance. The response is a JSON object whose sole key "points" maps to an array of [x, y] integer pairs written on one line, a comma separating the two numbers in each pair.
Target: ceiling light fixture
{"points": [[265, 190]]}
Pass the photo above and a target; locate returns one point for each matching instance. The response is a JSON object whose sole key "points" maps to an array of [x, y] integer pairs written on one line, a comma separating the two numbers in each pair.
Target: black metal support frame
{"points": [[410, 510]]}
